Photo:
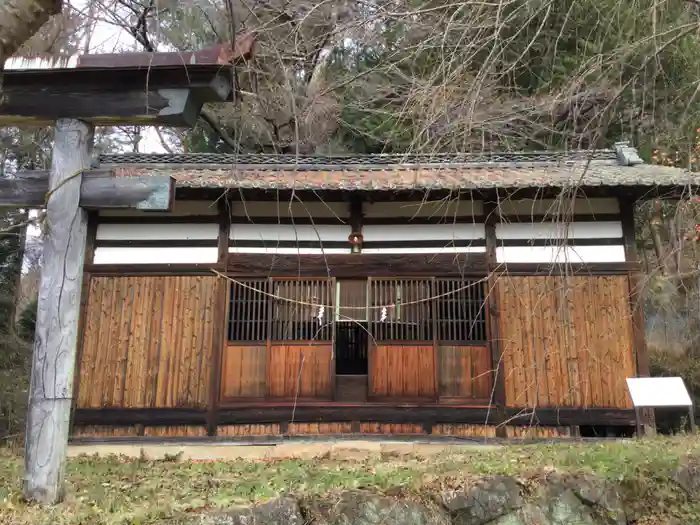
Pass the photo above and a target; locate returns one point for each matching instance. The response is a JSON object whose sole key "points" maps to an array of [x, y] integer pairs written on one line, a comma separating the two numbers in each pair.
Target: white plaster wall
{"points": [[107, 255], [560, 230], [422, 232], [446, 249], [292, 251], [290, 232], [157, 232], [560, 254]]}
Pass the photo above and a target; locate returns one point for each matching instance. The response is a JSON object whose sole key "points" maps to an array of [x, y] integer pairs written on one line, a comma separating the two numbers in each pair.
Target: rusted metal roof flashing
{"points": [[219, 55]]}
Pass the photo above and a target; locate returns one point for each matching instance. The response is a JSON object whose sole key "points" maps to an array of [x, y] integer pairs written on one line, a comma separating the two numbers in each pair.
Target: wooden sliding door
{"points": [[464, 365], [425, 339], [429, 340], [300, 363], [280, 340], [402, 350], [244, 363]]}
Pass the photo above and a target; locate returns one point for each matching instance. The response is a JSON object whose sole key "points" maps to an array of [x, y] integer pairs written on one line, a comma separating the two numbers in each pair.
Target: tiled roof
{"points": [[619, 167]]}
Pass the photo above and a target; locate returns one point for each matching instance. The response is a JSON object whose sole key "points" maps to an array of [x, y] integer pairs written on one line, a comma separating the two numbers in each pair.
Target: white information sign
{"points": [[658, 392]]}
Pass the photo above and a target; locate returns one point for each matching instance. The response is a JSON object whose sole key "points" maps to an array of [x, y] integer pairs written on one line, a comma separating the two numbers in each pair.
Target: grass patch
{"points": [[117, 490]]}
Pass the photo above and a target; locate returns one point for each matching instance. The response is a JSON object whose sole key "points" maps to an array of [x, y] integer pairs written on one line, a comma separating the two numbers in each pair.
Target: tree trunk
{"points": [[20, 20], [17, 278], [655, 229], [56, 336]]}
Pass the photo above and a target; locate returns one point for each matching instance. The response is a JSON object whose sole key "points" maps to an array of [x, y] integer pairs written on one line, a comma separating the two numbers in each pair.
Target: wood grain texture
{"points": [[312, 429], [401, 371], [173, 96], [244, 372], [391, 428], [300, 371], [534, 432], [103, 431], [100, 188], [567, 341], [148, 342], [356, 266], [464, 372], [248, 430], [56, 338], [323, 411], [464, 430], [175, 431]]}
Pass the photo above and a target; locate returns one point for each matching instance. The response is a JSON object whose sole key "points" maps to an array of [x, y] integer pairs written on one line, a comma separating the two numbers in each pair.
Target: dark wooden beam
{"points": [[579, 217], [358, 265], [621, 268], [116, 270], [181, 243], [356, 213], [636, 299], [635, 290], [220, 316], [167, 95], [224, 206], [218, 343], [133, 416], [143, 218], [493, 314], [330, 412], [171, 107], [99, 189]]}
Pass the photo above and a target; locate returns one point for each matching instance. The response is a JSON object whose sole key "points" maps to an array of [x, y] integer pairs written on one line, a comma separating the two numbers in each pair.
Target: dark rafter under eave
{"points": [[128, 88], [615, 168]]}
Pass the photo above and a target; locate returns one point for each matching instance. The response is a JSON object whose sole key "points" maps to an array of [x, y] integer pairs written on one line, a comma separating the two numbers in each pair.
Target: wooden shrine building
{"points": [[228, 296], [460, 295]]}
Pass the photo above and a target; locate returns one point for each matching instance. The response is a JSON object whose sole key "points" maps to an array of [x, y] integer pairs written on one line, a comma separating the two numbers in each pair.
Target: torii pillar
{"points": [[56, 337], [154, 89]]}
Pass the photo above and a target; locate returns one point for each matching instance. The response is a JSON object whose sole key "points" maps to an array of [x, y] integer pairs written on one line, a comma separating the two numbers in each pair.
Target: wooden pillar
{"points": [[56, 337], [645, 416], [220, 316], [491, 218]]}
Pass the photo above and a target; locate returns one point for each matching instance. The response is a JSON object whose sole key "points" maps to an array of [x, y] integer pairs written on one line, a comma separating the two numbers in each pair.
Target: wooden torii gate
{"points": [[137, 89]]}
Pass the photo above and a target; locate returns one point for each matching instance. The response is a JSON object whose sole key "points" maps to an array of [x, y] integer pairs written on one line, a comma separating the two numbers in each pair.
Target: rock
{"points": [[558, 507], [527, 515], [283, 511], [359, 508], [567, 509], [603, 498], [483, 502], [688, 478]]}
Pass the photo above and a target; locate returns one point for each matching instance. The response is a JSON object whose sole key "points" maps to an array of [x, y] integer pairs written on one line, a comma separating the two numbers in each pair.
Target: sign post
{"points": [[659, 392]]}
